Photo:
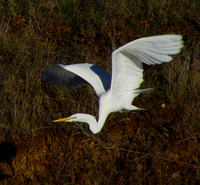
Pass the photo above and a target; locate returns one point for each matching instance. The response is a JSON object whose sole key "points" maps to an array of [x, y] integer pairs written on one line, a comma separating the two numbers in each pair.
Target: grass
{"points": [[37, 34]]}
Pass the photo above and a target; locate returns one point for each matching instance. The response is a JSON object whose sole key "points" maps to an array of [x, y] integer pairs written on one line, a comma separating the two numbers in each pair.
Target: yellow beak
{"points": [[64, 119]]}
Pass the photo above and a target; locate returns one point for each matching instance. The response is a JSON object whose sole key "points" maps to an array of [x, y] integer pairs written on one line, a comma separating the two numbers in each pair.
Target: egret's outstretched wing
{"points": [[78, 75], [127, 69]]}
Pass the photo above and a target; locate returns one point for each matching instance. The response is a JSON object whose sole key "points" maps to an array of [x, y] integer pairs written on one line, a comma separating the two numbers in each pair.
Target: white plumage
{"points": [[115, 93]]}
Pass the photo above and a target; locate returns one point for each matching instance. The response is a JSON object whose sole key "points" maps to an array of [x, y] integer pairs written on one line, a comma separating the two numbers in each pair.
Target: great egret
{"points": [[116, 93]]}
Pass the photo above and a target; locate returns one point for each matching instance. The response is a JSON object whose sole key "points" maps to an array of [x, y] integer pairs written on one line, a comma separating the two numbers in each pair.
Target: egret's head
{"points": [[80, 117]]}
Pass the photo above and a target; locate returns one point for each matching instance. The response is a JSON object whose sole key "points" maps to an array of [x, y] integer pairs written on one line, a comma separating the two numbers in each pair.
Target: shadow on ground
{"points": [[7, 152]]}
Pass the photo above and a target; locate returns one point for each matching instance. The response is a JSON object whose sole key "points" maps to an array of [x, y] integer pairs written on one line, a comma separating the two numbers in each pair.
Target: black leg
{"points": [[159, 129]]}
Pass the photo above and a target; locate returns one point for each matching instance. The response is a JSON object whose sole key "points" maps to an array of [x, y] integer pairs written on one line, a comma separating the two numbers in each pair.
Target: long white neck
{"points": [[94, 126], [104, 110], [101, 120]]}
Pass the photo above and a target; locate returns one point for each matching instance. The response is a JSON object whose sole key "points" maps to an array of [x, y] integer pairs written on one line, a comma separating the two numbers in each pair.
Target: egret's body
{"points": [[115, 93]]}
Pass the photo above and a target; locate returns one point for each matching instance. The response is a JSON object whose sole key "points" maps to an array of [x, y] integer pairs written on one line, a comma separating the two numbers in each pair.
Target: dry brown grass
{"points": [[37, 34]]}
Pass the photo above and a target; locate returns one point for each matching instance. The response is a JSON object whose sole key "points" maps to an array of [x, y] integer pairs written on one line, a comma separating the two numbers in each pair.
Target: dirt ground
{"points": [[128, 147]]}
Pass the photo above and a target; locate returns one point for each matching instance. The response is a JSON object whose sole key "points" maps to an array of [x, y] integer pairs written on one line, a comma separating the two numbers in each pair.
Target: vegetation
{"points": [[37, 34]]}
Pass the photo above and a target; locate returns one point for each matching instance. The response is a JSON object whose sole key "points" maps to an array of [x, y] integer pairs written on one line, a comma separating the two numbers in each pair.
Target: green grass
{"points": [[37, 34]]}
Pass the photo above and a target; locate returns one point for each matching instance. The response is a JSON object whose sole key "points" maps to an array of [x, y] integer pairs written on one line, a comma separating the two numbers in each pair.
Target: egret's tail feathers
{"points": [[142, 90]]}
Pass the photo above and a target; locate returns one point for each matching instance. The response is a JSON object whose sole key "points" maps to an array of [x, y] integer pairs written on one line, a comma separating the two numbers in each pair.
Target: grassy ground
{"points": [[37, 34]]}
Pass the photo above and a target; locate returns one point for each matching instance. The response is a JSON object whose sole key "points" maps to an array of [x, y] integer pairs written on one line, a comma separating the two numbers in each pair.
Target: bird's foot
{"points": [[168, 130]]}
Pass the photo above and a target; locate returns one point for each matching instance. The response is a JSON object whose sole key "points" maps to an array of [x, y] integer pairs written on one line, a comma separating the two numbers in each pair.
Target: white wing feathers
{"points": [[78, 75], [127, 69]]}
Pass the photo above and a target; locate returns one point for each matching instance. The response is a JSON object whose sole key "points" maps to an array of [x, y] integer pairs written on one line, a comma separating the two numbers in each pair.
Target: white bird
{"points": [[116, 92]]}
